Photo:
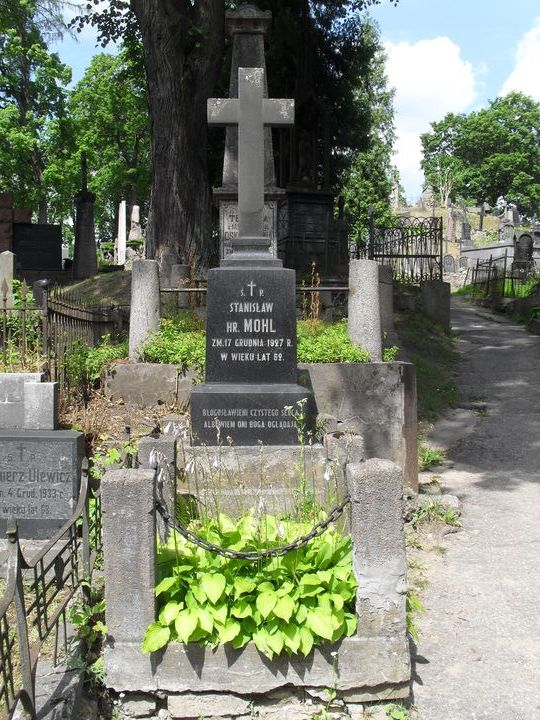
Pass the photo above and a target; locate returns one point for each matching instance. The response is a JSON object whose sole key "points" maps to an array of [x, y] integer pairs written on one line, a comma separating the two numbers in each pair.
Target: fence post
{"points": [[28, 695], [378, 547]]}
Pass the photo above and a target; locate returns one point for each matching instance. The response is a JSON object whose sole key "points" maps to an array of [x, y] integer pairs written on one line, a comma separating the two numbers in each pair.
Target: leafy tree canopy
{"points": [[492, 152]]}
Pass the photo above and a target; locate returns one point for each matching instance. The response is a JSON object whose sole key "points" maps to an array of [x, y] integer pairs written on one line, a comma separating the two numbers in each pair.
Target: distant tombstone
{"points": [[7, 266], [523, 253], [84, 251], [466, 239], [507, 233], [449, 264], [463, 263], [38, 247]]}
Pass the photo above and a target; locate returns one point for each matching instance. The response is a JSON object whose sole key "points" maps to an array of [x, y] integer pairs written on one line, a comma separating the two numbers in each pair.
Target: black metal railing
{"points": [[36, 596], [499, 277], [413, 248]]}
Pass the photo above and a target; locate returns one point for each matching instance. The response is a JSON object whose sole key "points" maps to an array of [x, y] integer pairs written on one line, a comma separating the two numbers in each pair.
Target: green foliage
{"points": [[488, 153], [320, 342], [88, 619], [179, 341], [109, 113], [369, 179], [390, 353], [428, 456], [104, 458], [413, 606], [33, 125], [286, 604], [397, 711], [85, 365]]}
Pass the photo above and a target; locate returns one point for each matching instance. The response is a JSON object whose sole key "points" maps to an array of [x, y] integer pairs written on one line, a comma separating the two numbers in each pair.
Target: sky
{"points": [[443, 56]]}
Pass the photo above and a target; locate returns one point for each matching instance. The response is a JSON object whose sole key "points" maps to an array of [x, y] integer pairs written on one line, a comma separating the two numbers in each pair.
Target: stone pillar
{"points": [[364, 324], [122, 229], [378, 541], [129, 546], [386, 295], [84, 251], [7, 268], [145, 305]]}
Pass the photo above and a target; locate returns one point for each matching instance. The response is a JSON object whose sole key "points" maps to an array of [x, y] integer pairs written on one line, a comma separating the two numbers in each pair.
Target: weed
{"points": [[413, 607], [434, 511], [397, 711], [428, 457], [482, 412]]}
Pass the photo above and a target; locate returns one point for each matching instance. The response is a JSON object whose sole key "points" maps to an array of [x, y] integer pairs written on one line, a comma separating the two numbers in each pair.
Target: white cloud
{"points": [[525, 77], [431, 79]]}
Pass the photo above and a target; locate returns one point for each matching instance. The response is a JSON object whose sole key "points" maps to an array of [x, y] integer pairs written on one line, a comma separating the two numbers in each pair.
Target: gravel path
{"points": [[479, 649]]}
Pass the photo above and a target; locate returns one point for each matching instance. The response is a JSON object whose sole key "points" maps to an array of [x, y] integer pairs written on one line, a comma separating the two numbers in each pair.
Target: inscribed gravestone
{"points": [[39, 468], [449, 264], [38, 247], [251, 372]]}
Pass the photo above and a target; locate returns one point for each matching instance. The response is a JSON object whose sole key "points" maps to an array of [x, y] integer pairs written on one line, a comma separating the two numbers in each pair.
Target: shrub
{"points": [[179, 341], [286, 604], [85, 365], [320, 342]]}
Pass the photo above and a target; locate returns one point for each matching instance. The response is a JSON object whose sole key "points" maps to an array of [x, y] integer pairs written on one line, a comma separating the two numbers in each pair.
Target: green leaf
{"points": [[275, 641], [169, 612], [266, 602], [284, 608], [243, 585], [240, 640], [242, 609], [219, 612], [260, 639], [310, 579], [350, 624], [185, 624], [337, 600], [320, 622], [229, 631], [306, 641], [213, 585], [206, 621], [292, 637], [166, 584], [155, 637]]}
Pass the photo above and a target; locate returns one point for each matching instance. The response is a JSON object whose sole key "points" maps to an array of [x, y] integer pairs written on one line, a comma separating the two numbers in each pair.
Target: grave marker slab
{"points": [[39, 479]]}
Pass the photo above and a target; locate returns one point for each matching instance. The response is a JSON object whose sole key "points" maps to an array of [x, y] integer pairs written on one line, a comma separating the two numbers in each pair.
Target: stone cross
{"points": [[252, 112]]}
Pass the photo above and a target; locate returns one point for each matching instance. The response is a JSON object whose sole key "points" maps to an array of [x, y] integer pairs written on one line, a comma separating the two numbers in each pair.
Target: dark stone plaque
{"points": [[251, 326], [248, 414], [38, 247], [39, 479]]}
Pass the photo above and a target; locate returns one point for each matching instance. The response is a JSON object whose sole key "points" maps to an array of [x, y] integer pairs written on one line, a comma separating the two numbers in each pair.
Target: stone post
{"points": [[364, 324], [7, 268], [145, 306], [378, 541], [129, 546], [180, 278]]}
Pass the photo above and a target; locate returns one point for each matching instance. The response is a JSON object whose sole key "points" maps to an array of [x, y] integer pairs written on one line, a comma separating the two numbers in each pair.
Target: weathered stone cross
{"points": [[251, 112]]}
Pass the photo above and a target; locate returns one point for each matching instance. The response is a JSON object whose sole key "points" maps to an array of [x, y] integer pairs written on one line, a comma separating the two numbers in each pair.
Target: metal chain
{"points": [[254, 555]]}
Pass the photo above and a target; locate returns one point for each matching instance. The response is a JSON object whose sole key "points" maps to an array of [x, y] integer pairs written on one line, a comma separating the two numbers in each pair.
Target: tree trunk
{"points": [[183, 48]]}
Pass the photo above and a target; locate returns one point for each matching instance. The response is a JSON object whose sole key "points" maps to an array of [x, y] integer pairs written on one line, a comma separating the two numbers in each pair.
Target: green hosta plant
{"points": [[284, 605]]}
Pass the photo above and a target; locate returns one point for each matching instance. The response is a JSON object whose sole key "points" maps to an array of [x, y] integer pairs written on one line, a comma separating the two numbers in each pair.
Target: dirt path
{"points": [[479, 650]]}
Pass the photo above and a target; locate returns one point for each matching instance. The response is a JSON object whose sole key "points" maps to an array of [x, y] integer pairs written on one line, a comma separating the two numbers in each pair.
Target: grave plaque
{"points": [[228, 225], [38, 247], [39, 479]]}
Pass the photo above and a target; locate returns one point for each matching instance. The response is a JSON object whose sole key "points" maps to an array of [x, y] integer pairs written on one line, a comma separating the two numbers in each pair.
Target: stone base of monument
{"points": [[352, 664], [248, 413]]}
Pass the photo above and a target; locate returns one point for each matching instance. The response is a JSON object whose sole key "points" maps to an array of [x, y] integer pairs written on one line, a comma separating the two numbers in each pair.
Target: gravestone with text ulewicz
{"points": [[40, 466], [251, 371]]}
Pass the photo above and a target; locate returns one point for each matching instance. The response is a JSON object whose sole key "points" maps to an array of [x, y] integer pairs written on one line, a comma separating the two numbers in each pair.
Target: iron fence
{"points": [[413, 248], [37, 594], [36, 338], [500, 277]]}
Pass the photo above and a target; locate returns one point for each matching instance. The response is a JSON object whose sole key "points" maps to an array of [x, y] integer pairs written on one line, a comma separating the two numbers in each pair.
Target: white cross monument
{"points": [[252, 112]]}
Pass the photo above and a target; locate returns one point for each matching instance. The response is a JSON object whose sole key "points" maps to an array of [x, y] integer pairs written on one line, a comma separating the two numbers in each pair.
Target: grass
{"points": [[432, 350], [428, 457], [434, 511]]}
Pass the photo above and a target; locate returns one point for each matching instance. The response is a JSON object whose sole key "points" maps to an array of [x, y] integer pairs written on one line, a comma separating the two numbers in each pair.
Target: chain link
{"points": [[254, 555]]}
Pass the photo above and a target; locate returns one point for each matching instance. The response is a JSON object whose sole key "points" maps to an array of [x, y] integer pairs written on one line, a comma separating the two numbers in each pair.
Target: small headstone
{"points": [[449, 264], [7, 267], [39, 466], [523, 252], [507, 233], [463, 263]]}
